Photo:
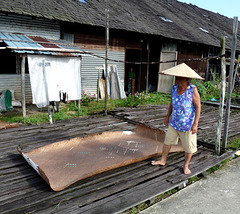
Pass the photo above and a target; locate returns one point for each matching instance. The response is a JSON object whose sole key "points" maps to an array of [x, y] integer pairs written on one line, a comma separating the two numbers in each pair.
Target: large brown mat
{"points": [[63, 163], [6, 125]]}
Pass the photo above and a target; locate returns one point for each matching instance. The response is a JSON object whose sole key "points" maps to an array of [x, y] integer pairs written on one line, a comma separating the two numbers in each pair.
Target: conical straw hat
{"points": [[182, 70]]}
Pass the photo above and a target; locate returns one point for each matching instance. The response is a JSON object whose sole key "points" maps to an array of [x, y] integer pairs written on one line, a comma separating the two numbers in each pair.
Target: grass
{"points": [[234, 142], [149, 203], [89, 106]]}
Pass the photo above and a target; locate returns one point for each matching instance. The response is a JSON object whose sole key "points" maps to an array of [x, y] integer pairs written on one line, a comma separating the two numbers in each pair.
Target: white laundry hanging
{"points": [[51, 75]]}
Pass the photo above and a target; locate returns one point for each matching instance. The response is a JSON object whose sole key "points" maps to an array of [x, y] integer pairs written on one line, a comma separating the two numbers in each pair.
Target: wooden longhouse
{"points": [[140, 32]]}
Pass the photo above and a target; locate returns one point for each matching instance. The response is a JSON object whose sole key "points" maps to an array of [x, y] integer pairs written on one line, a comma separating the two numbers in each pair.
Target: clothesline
{"points": [[177, 60], [109, 59]]}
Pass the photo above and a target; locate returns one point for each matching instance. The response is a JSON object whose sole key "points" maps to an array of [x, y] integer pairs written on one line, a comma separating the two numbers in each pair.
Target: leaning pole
{"points": [[230, 81]]}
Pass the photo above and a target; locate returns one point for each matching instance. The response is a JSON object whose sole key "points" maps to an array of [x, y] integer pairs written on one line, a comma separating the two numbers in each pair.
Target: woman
{"points": [[184, 110]]}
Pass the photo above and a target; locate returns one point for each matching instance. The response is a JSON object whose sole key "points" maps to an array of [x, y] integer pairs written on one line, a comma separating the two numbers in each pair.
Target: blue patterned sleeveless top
{"points": [[183, 111]]}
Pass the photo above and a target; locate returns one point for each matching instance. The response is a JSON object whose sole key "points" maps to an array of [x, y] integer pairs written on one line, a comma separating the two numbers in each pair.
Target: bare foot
{"points": [[187, 171], [160, 162]]}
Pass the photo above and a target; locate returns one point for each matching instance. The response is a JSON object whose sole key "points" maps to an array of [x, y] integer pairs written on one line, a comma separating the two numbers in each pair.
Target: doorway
{"points": [[132, 60]]}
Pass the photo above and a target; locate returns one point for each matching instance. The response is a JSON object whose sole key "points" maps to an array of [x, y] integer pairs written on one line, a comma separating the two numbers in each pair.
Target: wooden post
{"points": [[148, 54], [230, 83], [207, 73], [106, 56], [79, 101], [50, 114], [23, 86], [236, 71], [98, 85], [222, 96], [79, 107]]}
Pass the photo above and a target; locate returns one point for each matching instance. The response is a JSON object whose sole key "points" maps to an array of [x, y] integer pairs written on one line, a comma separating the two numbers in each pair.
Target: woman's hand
{"points": [[194, 128], [166, 122]]}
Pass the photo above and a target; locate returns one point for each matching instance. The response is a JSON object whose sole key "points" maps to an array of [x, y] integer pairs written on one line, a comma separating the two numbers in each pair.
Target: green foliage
{"points": [[212, 89], [137, 99], [87, 98], [234, 143], [143, 99], [30, 119], [64, 115], [201, 88], [208, 90], [89, 106], [156, 98], [146, 204], [219, 166]]}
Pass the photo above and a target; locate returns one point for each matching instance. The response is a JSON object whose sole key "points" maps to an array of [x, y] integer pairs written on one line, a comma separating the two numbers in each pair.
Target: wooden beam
{"points": [[236, 71], [222, 96], [106, 55], [148, 55], [230, 81], [23, 86]]}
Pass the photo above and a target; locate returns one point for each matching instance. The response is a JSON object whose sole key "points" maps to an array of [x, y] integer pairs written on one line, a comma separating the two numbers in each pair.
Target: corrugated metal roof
{"points": [[166, 18], [38, 45]]}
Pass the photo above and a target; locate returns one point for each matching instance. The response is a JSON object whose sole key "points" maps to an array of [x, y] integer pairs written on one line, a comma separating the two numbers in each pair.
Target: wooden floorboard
{"points": [[24, 191]]}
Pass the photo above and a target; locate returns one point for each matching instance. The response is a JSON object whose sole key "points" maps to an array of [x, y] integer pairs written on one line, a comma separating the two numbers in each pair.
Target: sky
{"points": [[229, 8]]}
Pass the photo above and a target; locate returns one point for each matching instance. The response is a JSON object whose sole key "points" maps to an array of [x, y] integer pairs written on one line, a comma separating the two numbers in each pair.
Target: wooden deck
{"points": [[24, 191]]}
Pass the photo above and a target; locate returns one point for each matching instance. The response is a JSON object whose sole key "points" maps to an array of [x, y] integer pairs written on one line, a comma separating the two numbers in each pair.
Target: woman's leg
{"points": [[188, 157], [166, 149]]}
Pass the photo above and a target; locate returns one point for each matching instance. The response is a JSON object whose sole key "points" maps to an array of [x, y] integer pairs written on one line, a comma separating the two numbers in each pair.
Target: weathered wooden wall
{"points": [[191, 51]]}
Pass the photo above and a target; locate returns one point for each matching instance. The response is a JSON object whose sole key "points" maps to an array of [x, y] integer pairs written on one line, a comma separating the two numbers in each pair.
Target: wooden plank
{"points": [[113, 181], [209, 163], [127, 181], [23, 190], [129, 197]]}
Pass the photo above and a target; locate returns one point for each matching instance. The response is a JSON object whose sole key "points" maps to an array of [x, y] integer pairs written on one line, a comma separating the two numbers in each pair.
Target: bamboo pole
{"points": [[23, 86], [222, 96], [98, 86], [147, 78], [230, 83], [80, 73], [106, 56], [236, 71], [79, 107]]}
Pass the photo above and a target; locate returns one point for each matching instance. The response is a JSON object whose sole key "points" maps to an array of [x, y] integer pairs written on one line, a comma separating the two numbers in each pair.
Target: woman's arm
{"points": [[197, 105], [166, 122]]}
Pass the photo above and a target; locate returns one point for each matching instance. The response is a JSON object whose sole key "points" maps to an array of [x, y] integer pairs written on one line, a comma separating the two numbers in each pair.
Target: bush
{"points": [[207, 90], [137, 99], [143, 99], [201, 88], [87, 98]]}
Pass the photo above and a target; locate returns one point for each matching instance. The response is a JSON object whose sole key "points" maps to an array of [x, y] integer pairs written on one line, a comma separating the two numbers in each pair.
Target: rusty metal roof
{"points": [[20, 43], [166, 18]]}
